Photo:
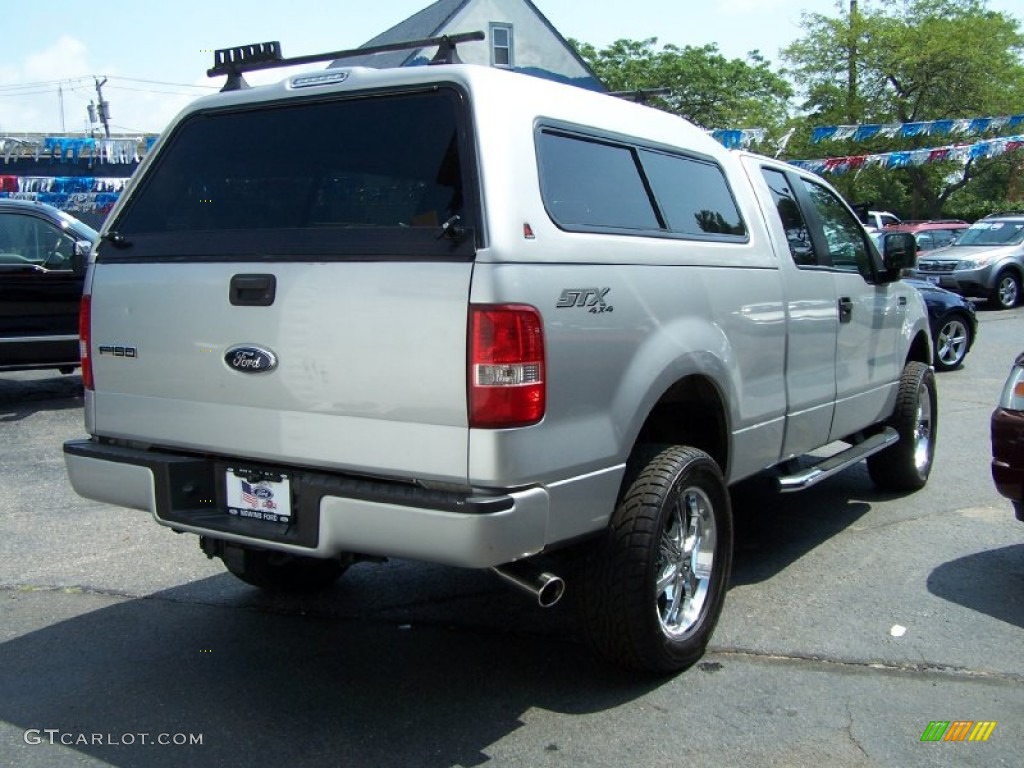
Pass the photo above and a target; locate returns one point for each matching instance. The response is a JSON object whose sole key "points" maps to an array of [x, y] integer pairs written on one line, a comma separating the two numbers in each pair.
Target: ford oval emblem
{"points": [[250, 359]]}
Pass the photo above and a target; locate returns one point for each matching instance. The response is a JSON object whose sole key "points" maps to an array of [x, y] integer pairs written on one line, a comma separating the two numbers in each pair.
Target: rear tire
{"points": [[906, 465], [654, 584], [280, 572]]}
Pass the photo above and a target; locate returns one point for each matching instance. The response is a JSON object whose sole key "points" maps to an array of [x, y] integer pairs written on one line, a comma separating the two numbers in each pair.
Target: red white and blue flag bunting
{"points": [[960, 153]]}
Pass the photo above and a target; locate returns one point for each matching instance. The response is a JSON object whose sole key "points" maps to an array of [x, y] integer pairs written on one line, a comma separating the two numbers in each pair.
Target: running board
{"points": [[813, 475]]}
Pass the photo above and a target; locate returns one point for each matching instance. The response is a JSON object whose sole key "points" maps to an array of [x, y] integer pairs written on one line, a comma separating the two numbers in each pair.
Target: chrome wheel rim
{"points": [[923, 431], [686, 554], [1008, 292], [952, 342]]}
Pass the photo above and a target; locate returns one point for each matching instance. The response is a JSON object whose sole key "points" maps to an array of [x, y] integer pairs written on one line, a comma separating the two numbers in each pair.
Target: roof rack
{"points": [[233, 62], [641, 95]]}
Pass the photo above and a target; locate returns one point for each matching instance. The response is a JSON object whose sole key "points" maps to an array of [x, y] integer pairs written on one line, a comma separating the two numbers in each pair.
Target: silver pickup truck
{"points": [[471, 317]]}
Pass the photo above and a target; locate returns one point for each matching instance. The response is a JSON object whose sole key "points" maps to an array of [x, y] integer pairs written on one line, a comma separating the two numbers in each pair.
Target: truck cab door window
{"points": [[844, 235]]}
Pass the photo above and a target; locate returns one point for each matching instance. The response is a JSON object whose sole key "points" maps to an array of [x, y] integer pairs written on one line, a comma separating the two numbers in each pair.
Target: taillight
{"points": [[506, 366], [84, 337], [1013, 391]]}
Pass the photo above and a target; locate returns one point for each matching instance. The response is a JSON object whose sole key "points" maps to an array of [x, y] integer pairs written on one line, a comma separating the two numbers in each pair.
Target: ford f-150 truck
{"points": [[477, 318]]}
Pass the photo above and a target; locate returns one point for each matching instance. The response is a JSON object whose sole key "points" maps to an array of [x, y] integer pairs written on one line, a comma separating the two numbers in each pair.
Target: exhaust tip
{"points": [[550, 589], [546, 587]]}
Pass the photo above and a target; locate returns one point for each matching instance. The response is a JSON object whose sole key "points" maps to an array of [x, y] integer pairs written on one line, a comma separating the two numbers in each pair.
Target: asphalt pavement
{"points": [[855, 620]]}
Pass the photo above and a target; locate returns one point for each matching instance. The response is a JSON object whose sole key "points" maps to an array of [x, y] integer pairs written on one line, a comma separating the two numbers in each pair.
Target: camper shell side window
{"points": [[592, 183]]}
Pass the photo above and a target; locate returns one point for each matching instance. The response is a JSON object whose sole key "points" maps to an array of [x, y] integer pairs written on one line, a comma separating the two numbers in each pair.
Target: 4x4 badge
{"points": [[585, 297], [250, 359]]}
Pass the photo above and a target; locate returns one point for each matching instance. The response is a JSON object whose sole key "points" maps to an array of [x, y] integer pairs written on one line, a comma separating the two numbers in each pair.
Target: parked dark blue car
{"points": [[953, 322]]}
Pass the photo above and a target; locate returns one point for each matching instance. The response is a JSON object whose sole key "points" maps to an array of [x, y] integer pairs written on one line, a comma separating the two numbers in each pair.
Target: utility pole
{"points": [[104, 107], [851, 64]]}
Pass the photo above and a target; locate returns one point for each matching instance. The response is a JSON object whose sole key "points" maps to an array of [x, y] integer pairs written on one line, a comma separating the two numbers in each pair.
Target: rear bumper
{"points": [[332, 514]]}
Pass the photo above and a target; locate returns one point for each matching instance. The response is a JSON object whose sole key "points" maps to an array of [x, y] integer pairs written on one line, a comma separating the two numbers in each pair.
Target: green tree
{"points": [[917, 60], [702, 85]]}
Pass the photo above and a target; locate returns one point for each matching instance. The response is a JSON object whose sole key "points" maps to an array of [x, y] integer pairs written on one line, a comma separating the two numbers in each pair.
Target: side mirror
{"points": [[80, 256], [899, 253]]}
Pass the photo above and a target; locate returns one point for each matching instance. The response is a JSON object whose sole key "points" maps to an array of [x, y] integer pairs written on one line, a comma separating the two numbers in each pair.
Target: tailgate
{"points": [[345, 257], [370, 363]]}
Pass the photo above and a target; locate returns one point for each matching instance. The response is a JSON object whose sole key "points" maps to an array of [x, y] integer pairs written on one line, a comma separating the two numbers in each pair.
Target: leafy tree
{"points": [[702, 84], [916, 60]]}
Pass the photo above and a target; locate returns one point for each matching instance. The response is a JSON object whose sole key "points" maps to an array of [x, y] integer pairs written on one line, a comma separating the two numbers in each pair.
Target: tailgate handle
{"points": [[252, 290]]}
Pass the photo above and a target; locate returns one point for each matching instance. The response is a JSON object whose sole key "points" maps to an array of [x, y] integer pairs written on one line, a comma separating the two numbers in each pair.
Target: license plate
{"points": [[935, 279], [258, 495]]}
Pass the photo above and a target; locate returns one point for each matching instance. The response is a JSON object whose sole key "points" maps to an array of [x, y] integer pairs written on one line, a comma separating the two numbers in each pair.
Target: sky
{"points": [[154, 56]]}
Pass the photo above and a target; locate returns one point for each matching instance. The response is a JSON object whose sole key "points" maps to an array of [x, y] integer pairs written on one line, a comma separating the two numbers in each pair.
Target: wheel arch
{"points": [[1012, 265], [692, 412], [920, 348]]}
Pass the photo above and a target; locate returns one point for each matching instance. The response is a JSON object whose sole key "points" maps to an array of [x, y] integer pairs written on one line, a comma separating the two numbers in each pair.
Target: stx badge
{"points": [[591, 298]]}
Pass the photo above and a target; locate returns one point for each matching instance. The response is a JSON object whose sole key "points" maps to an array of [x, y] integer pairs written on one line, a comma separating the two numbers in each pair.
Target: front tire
{"points": [[1006, 292], [906, 465], [655, 583]]}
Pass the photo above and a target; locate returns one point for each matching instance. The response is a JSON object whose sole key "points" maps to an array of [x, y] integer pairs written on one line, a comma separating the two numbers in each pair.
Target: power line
{"points": [[161, 82], [40, 83], [75, 83], [148, 90]]}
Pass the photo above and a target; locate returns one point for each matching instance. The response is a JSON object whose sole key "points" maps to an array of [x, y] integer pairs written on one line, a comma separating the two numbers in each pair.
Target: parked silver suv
{"points": [[985, 261]]}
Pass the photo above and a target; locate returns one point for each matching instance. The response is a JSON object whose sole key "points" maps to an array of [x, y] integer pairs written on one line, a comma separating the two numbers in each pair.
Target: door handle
{"points": [[845, 309], [252, 290]]}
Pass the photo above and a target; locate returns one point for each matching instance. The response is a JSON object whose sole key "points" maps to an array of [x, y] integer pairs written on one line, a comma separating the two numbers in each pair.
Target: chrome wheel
{"points": [[653, 586], [951, 344], [1007, 290], [923, 432], [686, 557], [906, 465]]}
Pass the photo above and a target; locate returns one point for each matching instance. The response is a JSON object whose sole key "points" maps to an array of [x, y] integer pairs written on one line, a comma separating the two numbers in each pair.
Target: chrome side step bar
{"points": [[805, 478]]}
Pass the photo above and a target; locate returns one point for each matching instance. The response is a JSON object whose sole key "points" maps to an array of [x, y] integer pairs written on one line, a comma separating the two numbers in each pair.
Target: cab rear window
{"points": [[305, 178]]}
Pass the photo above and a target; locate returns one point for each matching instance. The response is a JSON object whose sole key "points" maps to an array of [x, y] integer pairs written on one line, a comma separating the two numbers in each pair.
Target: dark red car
{"points": [[1008, 439], [931, 234]]}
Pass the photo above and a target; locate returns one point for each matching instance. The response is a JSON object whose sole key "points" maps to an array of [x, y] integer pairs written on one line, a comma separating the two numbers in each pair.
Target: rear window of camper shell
{"points": [[371, 174]]}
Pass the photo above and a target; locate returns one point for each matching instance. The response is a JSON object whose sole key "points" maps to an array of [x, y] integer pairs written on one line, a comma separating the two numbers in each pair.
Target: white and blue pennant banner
{"points": [[974, 126], [738, 138]]}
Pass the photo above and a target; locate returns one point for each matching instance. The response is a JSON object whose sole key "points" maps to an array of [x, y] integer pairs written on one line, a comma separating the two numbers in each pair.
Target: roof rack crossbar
{"points": [[235, 61], [641, 95]]}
